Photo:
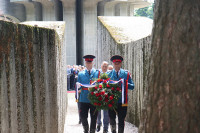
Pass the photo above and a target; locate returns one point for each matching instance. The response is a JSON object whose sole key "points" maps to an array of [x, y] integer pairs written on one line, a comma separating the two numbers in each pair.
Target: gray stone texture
{"points": [[136, 55], [32, 79]]}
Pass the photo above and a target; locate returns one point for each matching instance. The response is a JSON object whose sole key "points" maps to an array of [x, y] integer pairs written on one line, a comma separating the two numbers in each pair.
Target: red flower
{"points": [[107, 79], [99, 80], [111, 97], [112, 102], [103, 92], [118, 89], [108, 86], [92, 93], [104, 81], [100, 98], [95, 88], [97, 94], [106, 96], [99, 104], [110, 105], [113, 88], [106, 100], [95, 103], [100, 86]]}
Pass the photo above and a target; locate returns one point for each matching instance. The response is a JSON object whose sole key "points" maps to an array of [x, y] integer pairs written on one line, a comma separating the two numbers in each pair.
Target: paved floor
{"points": [[72, 119]]}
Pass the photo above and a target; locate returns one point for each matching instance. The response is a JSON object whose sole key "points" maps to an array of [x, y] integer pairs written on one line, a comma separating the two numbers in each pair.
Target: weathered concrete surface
{"points": [[123, 36], [32, 79]]}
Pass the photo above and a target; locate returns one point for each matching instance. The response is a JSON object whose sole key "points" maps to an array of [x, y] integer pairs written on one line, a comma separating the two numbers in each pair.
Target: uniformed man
{"points": [[85, 77], [116, 74]]}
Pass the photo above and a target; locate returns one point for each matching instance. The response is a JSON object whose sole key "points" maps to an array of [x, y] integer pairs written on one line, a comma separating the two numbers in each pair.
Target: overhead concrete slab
{"points": [[127, 29]]}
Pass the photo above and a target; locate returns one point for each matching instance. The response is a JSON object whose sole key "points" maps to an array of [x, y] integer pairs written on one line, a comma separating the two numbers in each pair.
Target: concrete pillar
{"points": [[13, 10], [90, 26], [109, 9], [48, 10], [69, 16], [100, 8], [33, 10], [4, 7], [122, 9], [131, 9]]}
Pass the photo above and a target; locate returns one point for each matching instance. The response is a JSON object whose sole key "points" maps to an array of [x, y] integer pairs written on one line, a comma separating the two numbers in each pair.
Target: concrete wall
{"points": [[136, 56], [32, 80]]}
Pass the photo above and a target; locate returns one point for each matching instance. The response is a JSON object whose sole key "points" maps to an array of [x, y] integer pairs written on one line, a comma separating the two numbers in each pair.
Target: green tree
{"points": [[146, 11]]}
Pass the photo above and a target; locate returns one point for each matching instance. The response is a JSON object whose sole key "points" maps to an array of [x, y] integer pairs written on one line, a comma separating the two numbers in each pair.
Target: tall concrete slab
{"points": [[32, 79], [69, 16]]}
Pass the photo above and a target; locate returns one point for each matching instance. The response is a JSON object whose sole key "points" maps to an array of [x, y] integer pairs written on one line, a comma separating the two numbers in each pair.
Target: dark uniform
{"points": [[121, 108], [84, 77]]}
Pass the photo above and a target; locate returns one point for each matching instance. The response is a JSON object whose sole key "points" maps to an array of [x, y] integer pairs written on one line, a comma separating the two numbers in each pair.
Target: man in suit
{"points": [[116, 74], [104, 67], [85, 77]]}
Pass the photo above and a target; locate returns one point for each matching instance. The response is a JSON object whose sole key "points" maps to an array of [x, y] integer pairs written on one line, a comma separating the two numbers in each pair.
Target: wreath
{"points": [[105, 94]]}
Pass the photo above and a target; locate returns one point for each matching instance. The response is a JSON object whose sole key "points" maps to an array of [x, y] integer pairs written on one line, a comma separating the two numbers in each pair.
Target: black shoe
{"points": [[79, 122], [98, 128]]}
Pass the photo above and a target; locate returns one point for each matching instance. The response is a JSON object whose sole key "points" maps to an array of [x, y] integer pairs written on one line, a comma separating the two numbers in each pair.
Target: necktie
{"points": [[117, 74], [89, 72]]}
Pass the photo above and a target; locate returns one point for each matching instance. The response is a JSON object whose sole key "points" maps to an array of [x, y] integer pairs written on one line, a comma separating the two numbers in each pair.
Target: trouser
{"points": [[105, 119], [78, 103], [121, 111], [68, 82], [84, 108], [72, 82]]}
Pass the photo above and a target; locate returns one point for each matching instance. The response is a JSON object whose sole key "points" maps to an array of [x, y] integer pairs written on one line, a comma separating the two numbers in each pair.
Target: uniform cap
{"points": [[89, 58], [116, 58]]}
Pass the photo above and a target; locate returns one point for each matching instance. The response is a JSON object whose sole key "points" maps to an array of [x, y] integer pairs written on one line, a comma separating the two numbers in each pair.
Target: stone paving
{"points": [[72, 119]]}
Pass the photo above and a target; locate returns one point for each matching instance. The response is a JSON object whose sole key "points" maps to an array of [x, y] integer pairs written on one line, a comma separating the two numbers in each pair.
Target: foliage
{"points": [[146, 11], [104, 95]]}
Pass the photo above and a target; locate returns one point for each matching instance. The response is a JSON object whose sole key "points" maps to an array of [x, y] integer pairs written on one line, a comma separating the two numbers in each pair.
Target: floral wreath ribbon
{"points": [[124, 89]]}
